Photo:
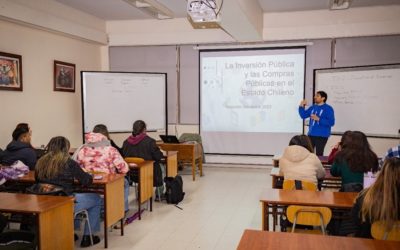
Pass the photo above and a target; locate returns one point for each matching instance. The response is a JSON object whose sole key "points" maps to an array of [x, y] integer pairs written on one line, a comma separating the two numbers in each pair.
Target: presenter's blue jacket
{"points": [[322, 127]]}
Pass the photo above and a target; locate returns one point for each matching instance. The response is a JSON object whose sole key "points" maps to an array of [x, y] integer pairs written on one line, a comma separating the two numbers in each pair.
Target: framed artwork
{"points": [[64, 76], [10, 72]]}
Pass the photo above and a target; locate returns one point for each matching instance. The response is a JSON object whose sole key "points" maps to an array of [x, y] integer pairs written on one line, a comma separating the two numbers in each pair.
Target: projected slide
{"points": [[252, 93], [249, 99]]}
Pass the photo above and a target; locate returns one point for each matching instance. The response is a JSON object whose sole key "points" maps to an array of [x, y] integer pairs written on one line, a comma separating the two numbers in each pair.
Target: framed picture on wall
{"points": [[10, 72], [64, 76]]}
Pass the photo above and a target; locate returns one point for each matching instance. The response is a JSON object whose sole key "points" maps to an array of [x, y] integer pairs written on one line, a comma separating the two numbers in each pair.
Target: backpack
{"points": [[174, 186]]}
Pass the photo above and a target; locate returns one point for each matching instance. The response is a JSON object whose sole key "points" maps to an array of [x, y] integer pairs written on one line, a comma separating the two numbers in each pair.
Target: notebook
{"points": [[169, 139]]}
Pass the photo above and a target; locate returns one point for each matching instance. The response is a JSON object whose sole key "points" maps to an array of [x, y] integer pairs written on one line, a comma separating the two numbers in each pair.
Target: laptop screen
{"points": [[169, 139]]}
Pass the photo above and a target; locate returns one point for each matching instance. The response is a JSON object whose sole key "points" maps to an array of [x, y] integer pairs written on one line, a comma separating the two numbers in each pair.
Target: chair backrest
{"points": [[310, 216], [379, 232], [305, 185], [135, 160], [46, 189]]}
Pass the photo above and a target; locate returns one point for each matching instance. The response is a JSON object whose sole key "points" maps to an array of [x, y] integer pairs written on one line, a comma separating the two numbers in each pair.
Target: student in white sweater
{"points": [[298, 161]]}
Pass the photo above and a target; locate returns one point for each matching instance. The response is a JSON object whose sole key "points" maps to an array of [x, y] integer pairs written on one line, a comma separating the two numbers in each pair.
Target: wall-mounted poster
{"points": [[10, 72], [64, 76]]}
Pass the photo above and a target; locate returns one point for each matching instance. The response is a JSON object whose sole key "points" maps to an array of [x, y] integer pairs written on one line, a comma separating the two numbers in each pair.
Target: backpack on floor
{"points": [[174, 189]]}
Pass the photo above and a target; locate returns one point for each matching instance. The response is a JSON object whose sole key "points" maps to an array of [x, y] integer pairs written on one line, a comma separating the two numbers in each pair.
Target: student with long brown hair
{"points": [[56, 167], [354, 159], [379, 202]]}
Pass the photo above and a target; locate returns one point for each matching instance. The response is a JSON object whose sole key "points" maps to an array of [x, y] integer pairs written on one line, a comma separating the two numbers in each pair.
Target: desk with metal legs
{"points": [[54, 217], [262, 240], [187, 152], [145, 185], [111, 186], [272, 198]]}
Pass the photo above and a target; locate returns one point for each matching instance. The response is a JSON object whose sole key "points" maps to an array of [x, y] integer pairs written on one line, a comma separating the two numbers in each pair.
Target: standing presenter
{"points": [[322, 118]]}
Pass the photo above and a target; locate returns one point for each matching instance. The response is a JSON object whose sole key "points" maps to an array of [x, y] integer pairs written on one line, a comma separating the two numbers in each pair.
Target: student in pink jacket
{"points": [[97, 155]]}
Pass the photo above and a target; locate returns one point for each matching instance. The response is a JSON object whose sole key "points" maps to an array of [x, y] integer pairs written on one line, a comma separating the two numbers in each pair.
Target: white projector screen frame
{"points": [[365, 98], [117, 99], [262, 88]]}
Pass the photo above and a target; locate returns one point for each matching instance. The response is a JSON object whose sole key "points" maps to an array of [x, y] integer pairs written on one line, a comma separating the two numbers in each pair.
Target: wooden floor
{"points": [[216, 210]]}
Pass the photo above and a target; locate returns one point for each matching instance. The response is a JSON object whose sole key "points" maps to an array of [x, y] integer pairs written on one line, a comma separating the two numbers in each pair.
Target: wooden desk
{"points": [[272, 198], [54, 217], [328, 181], [112, 187], [171, 162], [262, 240], [186, 153], [145, 185]]}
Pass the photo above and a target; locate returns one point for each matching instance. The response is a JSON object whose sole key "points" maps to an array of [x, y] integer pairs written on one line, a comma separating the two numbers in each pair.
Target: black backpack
{"points": [[174, 186]]}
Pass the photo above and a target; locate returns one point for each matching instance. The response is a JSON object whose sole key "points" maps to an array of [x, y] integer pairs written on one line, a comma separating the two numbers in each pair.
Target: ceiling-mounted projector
{"points": [[203, 14]]}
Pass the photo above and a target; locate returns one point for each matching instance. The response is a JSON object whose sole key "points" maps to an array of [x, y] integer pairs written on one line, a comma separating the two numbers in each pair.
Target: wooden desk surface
{"points": [[30, 203], [261, 240], [309, 198], [110, 185], [169, 153], [107, 178]]}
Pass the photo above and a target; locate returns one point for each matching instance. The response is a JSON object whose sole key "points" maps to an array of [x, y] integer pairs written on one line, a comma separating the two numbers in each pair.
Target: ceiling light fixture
{"points": [[339, 4], [152, 8]]}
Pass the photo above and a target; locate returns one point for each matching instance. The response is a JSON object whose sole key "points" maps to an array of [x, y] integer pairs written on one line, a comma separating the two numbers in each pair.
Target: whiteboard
{"points": [[363, 98], [117, 99]]}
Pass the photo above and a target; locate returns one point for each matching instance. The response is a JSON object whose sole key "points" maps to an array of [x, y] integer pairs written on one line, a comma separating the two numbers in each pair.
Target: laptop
{"points": [[169, 139]]}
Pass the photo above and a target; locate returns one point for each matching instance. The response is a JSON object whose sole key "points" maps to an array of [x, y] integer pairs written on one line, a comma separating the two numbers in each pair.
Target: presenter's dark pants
{"points": [[318, 143]]}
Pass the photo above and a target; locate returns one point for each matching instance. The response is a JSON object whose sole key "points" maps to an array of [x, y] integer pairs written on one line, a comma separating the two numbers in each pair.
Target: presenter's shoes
{"points": [[86, 240]]}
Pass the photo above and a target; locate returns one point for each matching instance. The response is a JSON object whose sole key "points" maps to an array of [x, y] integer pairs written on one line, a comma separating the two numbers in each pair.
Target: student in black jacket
{"points": [[139, 144], [56, 167], [20, 148]]}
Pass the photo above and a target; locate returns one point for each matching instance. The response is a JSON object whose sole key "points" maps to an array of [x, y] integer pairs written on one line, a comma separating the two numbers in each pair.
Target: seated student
{"points": [[143, 146], [392, 152], [56, 167], [299, 163], [20, 148], [98, 155], [355, 159], [337, 147], [102, 129], [379, 202]]}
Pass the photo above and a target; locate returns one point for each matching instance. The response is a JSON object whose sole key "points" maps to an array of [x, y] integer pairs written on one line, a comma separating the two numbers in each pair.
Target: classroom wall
{"points": [[49, 113]]}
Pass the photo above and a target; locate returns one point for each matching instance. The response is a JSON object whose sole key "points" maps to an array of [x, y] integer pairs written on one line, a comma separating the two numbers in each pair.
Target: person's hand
{"points": [[303, 103], [336, 146], [314, 117]]}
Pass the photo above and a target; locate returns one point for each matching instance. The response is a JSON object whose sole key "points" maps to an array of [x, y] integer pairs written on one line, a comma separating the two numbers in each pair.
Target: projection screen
{"points": [[249, 99]]}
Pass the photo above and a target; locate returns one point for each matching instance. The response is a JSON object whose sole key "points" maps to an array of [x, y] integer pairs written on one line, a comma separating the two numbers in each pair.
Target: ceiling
{"points": [[121, 10]]}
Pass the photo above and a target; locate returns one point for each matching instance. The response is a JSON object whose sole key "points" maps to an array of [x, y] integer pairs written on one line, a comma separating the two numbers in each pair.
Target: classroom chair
{"points": [[309, 216], [299, 185], [292, 185], [379, 232]]}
